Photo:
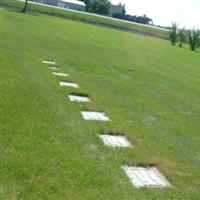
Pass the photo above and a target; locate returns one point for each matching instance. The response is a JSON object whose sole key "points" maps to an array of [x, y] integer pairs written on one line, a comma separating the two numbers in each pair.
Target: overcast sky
{"points": [[163, 12]]}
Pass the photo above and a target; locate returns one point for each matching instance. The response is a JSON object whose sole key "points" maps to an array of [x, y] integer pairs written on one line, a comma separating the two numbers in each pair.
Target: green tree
{"points": [[181, 36], [87, 4], [25, 6], [194, 39], [198, 43], [173, 33], [100, 7]]}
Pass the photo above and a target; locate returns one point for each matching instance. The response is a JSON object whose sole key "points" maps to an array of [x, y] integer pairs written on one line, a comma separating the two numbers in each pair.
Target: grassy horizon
{"points": [[149, 89], [86, 17]]}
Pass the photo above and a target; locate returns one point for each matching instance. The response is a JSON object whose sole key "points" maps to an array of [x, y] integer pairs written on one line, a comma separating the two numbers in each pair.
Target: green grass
{"points": [[13, 4], [148, 88]]}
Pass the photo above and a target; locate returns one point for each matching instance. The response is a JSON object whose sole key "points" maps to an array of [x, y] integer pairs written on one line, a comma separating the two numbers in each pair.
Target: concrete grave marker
{"points": [[54, 68], [68, 84], [59, 74], [94, 116], [145, 177], [48, 62], [115, 140], [79, 98]]}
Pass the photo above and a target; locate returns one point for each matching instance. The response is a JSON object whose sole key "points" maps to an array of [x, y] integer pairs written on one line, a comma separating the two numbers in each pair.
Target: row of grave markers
{"points": [[139, 176]]}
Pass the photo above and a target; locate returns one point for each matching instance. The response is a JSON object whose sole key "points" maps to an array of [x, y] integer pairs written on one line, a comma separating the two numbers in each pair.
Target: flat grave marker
{"points": [[94, 116], [146, 177], [59, 74], [68, 84], [115, 140], [78, 98], [48, 62], [54, 68]]}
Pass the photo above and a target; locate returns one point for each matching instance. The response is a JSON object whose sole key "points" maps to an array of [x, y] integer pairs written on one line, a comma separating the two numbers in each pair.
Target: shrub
{"points": [[194, 39], [173, 33], [181, 36]]}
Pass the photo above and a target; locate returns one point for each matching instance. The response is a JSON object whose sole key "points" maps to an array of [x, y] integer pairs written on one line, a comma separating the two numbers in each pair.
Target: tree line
{"points": [[134, 18], [102, 7], [181, 35], [176, 34]]}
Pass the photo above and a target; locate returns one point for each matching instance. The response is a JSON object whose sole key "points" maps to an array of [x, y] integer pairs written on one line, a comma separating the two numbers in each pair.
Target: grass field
{"points": [[84, 17], [149, 89]]}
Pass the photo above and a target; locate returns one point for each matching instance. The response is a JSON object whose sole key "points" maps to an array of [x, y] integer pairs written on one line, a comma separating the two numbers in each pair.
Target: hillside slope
{"points": [[87, 18], [149, 89]]}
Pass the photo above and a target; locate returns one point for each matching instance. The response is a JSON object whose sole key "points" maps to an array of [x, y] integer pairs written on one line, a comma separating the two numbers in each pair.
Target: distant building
{"points": [[116, 9], [71, 4]]}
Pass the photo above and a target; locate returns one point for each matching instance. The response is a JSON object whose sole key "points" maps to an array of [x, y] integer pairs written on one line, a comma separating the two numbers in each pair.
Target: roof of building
{"points": [[74, 2]]}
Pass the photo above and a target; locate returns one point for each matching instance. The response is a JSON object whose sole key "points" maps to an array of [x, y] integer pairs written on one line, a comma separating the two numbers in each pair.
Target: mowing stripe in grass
{"points": [[139, 176]]}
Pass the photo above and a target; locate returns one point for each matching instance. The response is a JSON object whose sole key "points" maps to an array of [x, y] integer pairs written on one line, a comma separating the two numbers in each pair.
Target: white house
{"points": [[116, 9], [71, 4]]}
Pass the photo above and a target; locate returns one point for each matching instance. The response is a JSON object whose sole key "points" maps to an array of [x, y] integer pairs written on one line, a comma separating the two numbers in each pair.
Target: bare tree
{"points": [[25, 6]]}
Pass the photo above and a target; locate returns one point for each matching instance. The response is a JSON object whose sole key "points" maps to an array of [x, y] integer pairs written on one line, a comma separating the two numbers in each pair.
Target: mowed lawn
{"points": [[149, 89]]}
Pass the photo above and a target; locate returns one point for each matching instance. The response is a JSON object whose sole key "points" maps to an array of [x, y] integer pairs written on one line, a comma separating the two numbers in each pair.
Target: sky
{"points": [[163, 12]]}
